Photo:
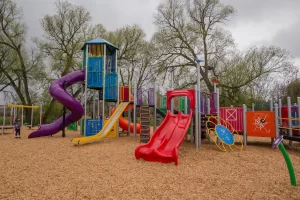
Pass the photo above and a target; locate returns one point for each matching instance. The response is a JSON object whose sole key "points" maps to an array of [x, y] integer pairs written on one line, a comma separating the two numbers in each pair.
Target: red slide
{"points": [[123, 122], [163, 145]]}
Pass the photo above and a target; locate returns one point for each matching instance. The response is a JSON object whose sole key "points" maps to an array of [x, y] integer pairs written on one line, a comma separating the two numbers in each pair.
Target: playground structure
{"points": [[100, 73], [14, 113]]}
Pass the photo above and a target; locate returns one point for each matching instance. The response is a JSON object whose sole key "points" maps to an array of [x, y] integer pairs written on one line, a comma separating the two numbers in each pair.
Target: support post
{"points": [[64, 115], [208, 106], [22, 115], [185, 112], [271, 105], [31, 119], [298, 104], [289, 119], [11, 114], [85, 86], [134, 107], [280, 113], [215, 87], [276, 121], [94, 106], [253, 107], [3, 120], [155, 105], [15, 112], [41, 111], [103, 82], [196, 121], [98, 108], [118, 97], [172, 88], [244, 125]]}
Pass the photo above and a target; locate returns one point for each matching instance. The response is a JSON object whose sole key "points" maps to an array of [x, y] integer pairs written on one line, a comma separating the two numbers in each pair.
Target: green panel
{"points": [[163, 103], [73, 126], [164, 110], [182, 104], [82, 127]]}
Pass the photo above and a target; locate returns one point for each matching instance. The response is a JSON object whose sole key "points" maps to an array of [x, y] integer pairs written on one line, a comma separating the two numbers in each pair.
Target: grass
{"points": [[7, 120]]}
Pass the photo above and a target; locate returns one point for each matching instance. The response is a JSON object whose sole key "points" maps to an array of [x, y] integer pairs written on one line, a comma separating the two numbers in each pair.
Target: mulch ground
{"points": [[53, 168]]}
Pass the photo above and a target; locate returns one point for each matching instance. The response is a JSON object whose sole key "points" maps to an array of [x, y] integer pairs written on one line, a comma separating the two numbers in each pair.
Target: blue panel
{"points": [[295, 115], [93, 126], [95, 72], [111, 92], [111, 79], [224, 134]]}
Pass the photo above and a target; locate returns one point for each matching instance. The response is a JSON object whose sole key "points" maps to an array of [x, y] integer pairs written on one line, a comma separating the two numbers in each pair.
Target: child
{"points": [[18, 125]]}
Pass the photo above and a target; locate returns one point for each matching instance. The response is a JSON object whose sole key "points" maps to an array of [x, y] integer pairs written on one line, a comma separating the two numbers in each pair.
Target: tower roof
{"points": [[100, 41]]}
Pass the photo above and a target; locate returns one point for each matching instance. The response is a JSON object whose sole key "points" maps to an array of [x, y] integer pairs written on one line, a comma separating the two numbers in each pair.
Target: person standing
{"points": [[18, 126]]}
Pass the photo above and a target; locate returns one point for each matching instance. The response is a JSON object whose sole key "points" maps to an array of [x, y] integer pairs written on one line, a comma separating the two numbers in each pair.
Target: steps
{"points": [[145, 124]]}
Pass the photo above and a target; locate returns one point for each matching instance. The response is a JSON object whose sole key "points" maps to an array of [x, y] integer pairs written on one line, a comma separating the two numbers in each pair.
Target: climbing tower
{"points": [[100, 61]]}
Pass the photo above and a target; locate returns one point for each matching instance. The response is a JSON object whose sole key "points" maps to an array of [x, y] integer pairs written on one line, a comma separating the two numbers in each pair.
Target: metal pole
{"points": [[3, 120], [172, 88], [41, 111], [196, 121], [103, 81], [11, 114], [22, 115], [289, 119], [253, 107], [118, 102], [118, 88], [98, 108], [298, 104], [128, 111], [271, 105], [215, 87], [31, 121], [85, 86], [280, 113], [244, 125], [218, 102], [64, 114], [276, 121], [208, 106], [155, 102], [94, 106], [185, 112], [134, 108], [15, 112]]}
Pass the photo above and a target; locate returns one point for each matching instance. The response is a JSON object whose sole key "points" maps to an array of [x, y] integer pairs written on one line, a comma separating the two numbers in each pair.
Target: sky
{"points": [[256, 22]]}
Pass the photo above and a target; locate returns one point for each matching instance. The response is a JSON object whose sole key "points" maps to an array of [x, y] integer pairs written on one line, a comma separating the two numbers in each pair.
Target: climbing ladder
{"points": [[145, 124]]}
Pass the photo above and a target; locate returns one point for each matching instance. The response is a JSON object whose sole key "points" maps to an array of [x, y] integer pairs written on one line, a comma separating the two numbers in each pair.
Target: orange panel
{"points": [[260, 123]]}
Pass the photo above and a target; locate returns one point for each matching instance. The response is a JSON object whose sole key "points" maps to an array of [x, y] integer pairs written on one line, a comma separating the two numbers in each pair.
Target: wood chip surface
{"points": [[53, 168]]}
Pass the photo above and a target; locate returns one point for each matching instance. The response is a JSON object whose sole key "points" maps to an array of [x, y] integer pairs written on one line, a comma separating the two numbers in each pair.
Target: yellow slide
{"points": [[106, 128]]}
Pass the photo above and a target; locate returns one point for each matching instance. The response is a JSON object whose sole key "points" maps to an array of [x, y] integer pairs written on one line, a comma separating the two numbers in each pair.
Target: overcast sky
{"points": [[257, 22]]}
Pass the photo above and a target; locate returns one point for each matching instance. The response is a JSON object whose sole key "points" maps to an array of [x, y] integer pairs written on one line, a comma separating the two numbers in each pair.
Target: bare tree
{"points": [[17, 64], [64, 35], [189, 28], [135, 55]]}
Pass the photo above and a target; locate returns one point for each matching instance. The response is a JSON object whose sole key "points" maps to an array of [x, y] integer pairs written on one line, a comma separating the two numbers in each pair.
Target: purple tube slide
{"points": [[58, 92]]}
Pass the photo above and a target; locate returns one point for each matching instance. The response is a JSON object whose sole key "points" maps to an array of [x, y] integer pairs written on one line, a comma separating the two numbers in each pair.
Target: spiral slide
{"points": [[58, 92], [163, 145]]}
